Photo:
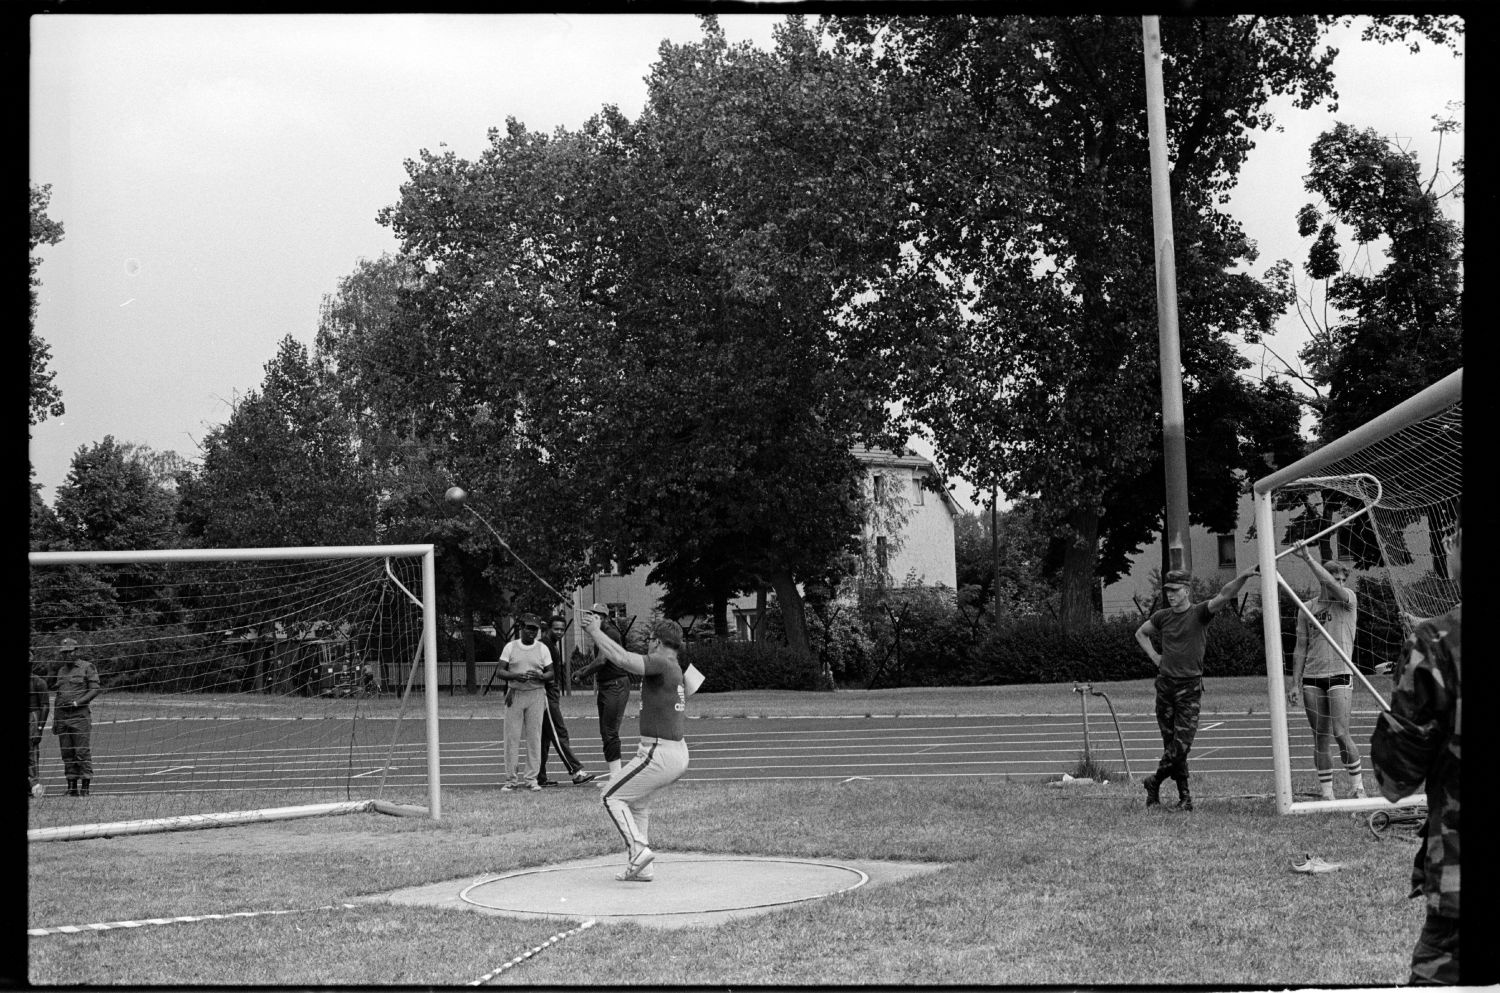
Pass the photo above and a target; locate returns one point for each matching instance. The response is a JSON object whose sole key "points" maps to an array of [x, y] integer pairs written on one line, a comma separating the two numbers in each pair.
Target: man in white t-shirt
{"points": [[525, 665]]}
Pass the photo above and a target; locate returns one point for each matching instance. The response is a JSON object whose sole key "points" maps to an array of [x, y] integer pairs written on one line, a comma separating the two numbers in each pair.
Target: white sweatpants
{"points": [[523, 723], [658, 763]]}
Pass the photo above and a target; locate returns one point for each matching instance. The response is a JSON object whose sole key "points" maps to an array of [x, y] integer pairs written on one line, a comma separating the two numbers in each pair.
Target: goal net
{"points": [[1379, 501], [235, 685]]}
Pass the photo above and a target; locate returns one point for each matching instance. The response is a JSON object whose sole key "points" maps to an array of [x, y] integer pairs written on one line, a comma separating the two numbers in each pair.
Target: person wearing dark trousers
{"points": [[77, 684], [554, 730], [41, 707], [1416, 744], [1182, 626], [612, 689]]}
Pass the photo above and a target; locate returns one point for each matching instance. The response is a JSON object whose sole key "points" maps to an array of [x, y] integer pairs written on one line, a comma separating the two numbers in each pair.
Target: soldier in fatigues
{"points": [[1182, 626], [77, 683], [1417, 741]]}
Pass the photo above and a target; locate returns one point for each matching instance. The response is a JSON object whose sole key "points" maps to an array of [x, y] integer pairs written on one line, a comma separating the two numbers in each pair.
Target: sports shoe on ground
{"points": [[508, 788], [580, 777], [1153, 792], [1314, 864], [536, 787], [644, 876], [37, 789]]}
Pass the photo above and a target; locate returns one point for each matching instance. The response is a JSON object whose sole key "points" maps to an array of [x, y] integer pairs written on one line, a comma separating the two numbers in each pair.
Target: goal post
{"points": [[1387, 492], [237, 685]]}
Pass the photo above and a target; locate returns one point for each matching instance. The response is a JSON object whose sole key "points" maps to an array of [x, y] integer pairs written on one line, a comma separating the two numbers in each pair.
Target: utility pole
{"points": [[1176, 541], [995, 543]]}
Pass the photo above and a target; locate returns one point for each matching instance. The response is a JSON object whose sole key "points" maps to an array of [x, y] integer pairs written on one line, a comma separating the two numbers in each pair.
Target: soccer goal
{"points": [[1380, 499], [240, 685]]}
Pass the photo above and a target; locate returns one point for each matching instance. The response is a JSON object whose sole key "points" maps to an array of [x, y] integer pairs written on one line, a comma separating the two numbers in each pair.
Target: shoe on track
{"points": [[581, 777]]}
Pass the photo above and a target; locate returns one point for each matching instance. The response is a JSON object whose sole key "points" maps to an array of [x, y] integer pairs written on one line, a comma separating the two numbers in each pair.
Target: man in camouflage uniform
{"points": [[1417, 741], [77, 683], [1182, 626]]}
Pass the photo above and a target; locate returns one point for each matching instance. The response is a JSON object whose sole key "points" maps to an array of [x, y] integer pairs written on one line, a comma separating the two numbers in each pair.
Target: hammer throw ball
{"points": [[456, 494]]}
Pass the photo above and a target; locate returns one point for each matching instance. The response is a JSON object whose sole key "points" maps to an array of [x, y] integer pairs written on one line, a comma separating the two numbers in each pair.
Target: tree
{"points": [[656, 315], [119, 496], [1396, 329], [45, 398], [1022, 568], [1047, 382], [281, 471]]}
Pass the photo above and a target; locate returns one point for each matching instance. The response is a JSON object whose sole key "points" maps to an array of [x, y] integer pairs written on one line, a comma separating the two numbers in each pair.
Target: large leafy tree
{"points": [[281, 471], [1049, 386], [1397, 327], [655, 317], [44, 398]]}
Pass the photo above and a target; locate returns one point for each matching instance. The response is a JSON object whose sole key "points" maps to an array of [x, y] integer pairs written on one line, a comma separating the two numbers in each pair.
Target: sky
{"points": [[216, 175]]}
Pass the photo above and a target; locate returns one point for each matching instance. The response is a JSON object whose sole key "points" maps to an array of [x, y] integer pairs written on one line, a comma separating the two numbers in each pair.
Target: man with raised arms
{"points": [[662, 755]]}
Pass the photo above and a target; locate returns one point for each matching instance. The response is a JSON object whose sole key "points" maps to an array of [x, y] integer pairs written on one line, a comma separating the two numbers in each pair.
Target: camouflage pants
{"points": [[1435, 959], [73, 729], [1178, 699]]}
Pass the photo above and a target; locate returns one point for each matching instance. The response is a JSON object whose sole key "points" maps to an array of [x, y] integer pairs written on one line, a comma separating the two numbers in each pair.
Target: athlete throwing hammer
{"points": [[662, 756]]}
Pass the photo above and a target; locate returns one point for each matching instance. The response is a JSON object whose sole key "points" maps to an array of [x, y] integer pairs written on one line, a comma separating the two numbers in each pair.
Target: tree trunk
{"points": [[466, 617], [794, 620], [1078, 577], [721, 619]]}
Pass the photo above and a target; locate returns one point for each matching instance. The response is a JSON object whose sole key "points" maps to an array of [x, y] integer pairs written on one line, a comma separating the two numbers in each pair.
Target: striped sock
{"points": [[1356, 776], [1325, 783]]}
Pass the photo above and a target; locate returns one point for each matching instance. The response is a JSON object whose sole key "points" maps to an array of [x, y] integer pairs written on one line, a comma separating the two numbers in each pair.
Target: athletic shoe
{"points": [[1313, 864], [642, 858], [38, 789], [580, 777], [644, 876], [548, 782], [507, 788], [536, 787]]}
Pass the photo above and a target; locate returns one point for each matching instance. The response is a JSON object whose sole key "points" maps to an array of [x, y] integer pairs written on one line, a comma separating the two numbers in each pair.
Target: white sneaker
{"points": [[536, 787], [644, 876]]}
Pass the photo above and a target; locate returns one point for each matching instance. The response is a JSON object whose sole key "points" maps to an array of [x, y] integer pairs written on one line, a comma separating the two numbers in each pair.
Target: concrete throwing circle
{"points": [[682, 885]]}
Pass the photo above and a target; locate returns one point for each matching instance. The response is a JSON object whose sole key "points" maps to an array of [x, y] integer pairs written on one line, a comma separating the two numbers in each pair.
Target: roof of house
{"points": [[881, 457]]}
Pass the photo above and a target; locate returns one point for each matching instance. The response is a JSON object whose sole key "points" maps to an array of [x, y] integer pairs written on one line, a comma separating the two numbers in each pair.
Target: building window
{"points": [[614, 567], [882, 554], [1226, 551], [918, 492], [879, 488], [616, 612]]}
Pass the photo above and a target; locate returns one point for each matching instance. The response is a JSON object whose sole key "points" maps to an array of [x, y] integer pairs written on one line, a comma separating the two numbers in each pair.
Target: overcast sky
{"points": [[216, 175]]}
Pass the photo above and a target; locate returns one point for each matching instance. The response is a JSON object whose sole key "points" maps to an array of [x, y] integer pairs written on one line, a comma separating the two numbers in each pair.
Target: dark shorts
{"points": [[1326, 682]]}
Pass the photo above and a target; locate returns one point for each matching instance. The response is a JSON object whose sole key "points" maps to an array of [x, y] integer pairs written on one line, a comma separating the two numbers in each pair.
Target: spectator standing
{"points": [[40, 707], [662, 755], [525, 665], [1182, 626], [1321, 681], [1416, 742], [611, 690], [554, 729], [77, 683]]}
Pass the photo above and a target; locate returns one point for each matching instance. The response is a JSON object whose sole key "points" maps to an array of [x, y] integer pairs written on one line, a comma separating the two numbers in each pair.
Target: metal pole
{"points": [[1174, 436]]}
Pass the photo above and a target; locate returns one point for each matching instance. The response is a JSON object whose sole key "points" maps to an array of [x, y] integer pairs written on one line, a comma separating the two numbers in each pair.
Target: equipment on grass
{"points": [[1409, 819], [456, 494], [223, 673], [1387, 493]]}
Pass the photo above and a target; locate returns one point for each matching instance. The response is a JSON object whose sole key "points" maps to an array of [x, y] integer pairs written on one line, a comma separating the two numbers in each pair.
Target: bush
{"points": [[750, 665]]}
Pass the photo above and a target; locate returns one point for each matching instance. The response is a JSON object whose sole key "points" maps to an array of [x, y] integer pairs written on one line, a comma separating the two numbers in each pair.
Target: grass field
{"points": [[1043, 886]]}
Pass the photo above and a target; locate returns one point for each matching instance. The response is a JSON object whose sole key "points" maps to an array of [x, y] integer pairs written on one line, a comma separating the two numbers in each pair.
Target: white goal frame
{"points": [[1434, 399], [425, 552]]}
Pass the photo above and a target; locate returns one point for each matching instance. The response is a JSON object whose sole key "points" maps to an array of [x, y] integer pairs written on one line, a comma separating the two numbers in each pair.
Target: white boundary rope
{"points": [[81, 928], [532, 951]]}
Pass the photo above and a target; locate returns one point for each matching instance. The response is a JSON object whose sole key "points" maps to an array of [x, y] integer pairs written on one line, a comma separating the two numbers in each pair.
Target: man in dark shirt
{"points": [[1418, 741], [77, 683], [1182, 627], [554, 730], [662, 756], [612, 688], [40, 706]]}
